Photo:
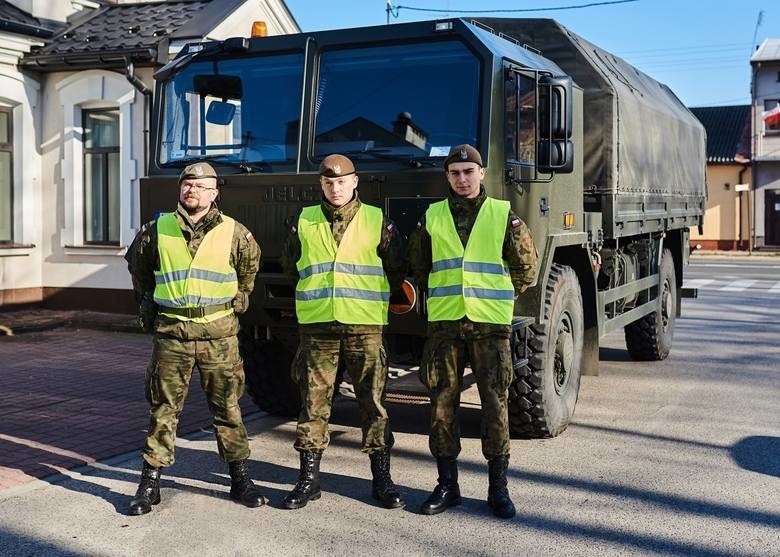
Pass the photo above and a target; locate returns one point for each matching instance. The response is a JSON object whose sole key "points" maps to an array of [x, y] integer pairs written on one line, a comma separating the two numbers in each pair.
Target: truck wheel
{"points": [[650, 338], [267, 370], [544, 392]]}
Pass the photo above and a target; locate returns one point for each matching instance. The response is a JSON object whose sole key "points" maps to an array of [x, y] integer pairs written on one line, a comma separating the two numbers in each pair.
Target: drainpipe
{"points": [[739, 220], [754, 151], [140, 86]]}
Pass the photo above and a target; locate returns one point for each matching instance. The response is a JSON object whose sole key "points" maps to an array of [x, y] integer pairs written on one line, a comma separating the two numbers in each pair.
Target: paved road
{"points": [[674, 458]]}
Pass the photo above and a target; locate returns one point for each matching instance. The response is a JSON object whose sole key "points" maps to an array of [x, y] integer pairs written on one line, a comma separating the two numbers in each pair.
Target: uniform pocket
{"points": [[504, 370], [296, 368], [429, 373], [152, 384]]}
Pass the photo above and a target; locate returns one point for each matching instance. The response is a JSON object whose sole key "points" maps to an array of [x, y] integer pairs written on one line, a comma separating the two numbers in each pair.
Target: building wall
{"points": [[727, 210], [52, 264], [766, 83], [20, 261]]}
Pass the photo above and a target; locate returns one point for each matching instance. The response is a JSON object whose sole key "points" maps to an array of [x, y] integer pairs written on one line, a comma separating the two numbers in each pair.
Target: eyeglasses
{"points": [[197, 187]]}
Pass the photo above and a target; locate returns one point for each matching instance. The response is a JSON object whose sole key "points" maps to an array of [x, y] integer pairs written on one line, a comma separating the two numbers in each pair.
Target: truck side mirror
{"points": [[556, 151], [220, 113], [556, 155]]}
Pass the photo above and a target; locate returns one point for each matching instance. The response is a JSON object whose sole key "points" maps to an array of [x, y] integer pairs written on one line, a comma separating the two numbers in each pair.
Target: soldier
{"points": [[193, 270], [345, 259], [474, 256]]}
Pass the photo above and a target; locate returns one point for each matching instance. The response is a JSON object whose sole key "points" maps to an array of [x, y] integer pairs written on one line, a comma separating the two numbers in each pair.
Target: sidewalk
{"points": [[72, 387]]}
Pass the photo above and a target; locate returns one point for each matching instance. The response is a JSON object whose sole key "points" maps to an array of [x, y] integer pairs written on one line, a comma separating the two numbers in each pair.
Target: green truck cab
{"points": [[605, 165]]}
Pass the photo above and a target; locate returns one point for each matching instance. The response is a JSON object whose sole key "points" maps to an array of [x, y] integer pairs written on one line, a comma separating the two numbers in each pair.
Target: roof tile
{"points": [[728, 132]]}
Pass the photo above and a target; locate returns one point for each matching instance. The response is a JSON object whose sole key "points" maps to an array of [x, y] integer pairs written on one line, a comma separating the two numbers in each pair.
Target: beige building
{"points": [[727, 219], [76, 90]]}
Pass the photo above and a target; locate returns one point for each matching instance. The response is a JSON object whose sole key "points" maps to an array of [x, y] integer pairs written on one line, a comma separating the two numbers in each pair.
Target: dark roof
{"points": [[15, 20], [728, 132], [139, 31]]}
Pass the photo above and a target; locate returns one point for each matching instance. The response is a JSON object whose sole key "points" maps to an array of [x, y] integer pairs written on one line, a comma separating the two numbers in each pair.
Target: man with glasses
{"points": [[345, 259], [193, 270], [474, 256]]}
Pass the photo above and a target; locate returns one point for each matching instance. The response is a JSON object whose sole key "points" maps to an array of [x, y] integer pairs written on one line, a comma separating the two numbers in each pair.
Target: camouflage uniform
{"points": [[358, 347], [451, 344], [180, 345]]}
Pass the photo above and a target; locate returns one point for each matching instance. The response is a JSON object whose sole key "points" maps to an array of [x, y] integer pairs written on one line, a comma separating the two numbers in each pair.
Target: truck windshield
{"points": [[233, 111], [405, 102]]}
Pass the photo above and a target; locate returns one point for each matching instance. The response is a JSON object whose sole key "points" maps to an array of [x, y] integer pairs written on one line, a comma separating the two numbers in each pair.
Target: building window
{"points": [[101, 176], [6, 176], [771, 115]]}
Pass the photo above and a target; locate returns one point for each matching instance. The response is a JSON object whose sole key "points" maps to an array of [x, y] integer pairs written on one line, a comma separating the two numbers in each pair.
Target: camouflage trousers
{"points": [[449, 346], [167, 382], [315, 368]]}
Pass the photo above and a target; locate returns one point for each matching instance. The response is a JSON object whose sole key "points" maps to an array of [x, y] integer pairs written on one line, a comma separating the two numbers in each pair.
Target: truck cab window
{"points": [[520, 119], [369, 102], [243, 110]]}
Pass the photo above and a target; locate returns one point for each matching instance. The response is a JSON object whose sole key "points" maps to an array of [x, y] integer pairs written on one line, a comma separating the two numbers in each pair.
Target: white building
{"points": [[75, 98]]}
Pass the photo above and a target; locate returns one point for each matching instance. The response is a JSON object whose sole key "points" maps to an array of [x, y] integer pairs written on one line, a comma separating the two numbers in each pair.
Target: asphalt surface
{"points": [[680, 457]]}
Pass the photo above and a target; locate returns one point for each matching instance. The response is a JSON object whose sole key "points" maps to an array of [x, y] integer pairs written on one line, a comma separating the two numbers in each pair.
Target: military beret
{"points": [[335, 166], [463, 153], [198, 170]]}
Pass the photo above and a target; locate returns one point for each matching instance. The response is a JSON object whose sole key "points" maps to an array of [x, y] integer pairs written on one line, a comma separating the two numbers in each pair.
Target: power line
{"points": [[677, 48], [395, 9]]}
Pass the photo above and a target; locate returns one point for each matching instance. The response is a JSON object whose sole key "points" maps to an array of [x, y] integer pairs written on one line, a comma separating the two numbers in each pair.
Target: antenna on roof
{"points": [[755, 31]]}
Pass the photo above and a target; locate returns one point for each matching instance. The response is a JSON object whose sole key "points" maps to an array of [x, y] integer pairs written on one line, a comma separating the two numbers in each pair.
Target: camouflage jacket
{"points": [[143, 260], [518, 251], [390, 250]]}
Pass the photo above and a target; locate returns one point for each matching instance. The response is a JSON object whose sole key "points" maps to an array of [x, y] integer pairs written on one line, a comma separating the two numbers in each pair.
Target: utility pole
{"points": [[388, 10]]}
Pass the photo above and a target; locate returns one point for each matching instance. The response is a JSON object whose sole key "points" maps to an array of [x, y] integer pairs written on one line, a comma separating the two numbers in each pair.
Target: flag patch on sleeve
{"points": [[516, 222], [390, 227], [249, 237]]}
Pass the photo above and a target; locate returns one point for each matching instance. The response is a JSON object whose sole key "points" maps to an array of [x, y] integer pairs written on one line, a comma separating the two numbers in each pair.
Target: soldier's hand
{"points": [[241, 302], [147, 313]]}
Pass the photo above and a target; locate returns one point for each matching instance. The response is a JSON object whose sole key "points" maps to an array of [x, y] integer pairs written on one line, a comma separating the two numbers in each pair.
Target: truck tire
{"points": [[544, 392], [650, 338], [267, 371]]}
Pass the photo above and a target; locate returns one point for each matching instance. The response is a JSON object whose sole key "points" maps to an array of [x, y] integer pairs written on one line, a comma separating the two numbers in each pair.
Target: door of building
{"points": [[772, 204]]}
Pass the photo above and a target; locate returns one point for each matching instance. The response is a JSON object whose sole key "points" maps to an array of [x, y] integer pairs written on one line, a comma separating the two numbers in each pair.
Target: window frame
{"points": [[770, 131], [8, 147], [104, 153]]}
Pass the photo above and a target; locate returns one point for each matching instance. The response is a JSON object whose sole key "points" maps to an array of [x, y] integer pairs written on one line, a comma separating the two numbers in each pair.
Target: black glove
{"points": [[147, 313]]}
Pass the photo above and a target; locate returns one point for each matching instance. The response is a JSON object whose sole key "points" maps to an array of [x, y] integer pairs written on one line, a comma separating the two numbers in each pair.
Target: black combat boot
{"points": [[447, 491], [242, 489], [382, 487], [308, 486], [498, 494], [148, 493]]}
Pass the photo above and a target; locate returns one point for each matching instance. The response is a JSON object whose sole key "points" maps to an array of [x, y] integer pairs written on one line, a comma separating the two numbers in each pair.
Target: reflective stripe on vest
{"points": [[344, 283], [472, 282], [184, 281]]}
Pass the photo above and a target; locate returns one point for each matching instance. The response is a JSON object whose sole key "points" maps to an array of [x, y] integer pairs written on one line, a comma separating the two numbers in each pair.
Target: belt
{"points": [[200, 311]]}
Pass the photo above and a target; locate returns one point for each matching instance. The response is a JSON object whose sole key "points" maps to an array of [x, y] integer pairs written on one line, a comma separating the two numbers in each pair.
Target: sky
{"points": [[699, 48]]}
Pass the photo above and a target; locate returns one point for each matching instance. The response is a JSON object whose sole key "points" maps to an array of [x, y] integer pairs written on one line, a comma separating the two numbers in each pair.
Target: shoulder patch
{"points": [[419, 225], [390, 228], [516, 222], [249, 237]]}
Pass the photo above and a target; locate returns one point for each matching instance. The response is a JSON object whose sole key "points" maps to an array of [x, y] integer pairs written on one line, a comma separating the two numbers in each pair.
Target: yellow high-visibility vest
{"points": [[344, 283], [473, 282], [205, 280]]}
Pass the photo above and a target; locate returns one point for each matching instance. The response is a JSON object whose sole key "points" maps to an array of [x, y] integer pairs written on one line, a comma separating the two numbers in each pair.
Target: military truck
{"points": [[605, 165]]}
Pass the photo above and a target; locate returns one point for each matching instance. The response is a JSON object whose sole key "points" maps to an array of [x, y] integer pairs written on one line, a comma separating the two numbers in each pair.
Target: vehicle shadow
{"points": [[758, 453]]}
